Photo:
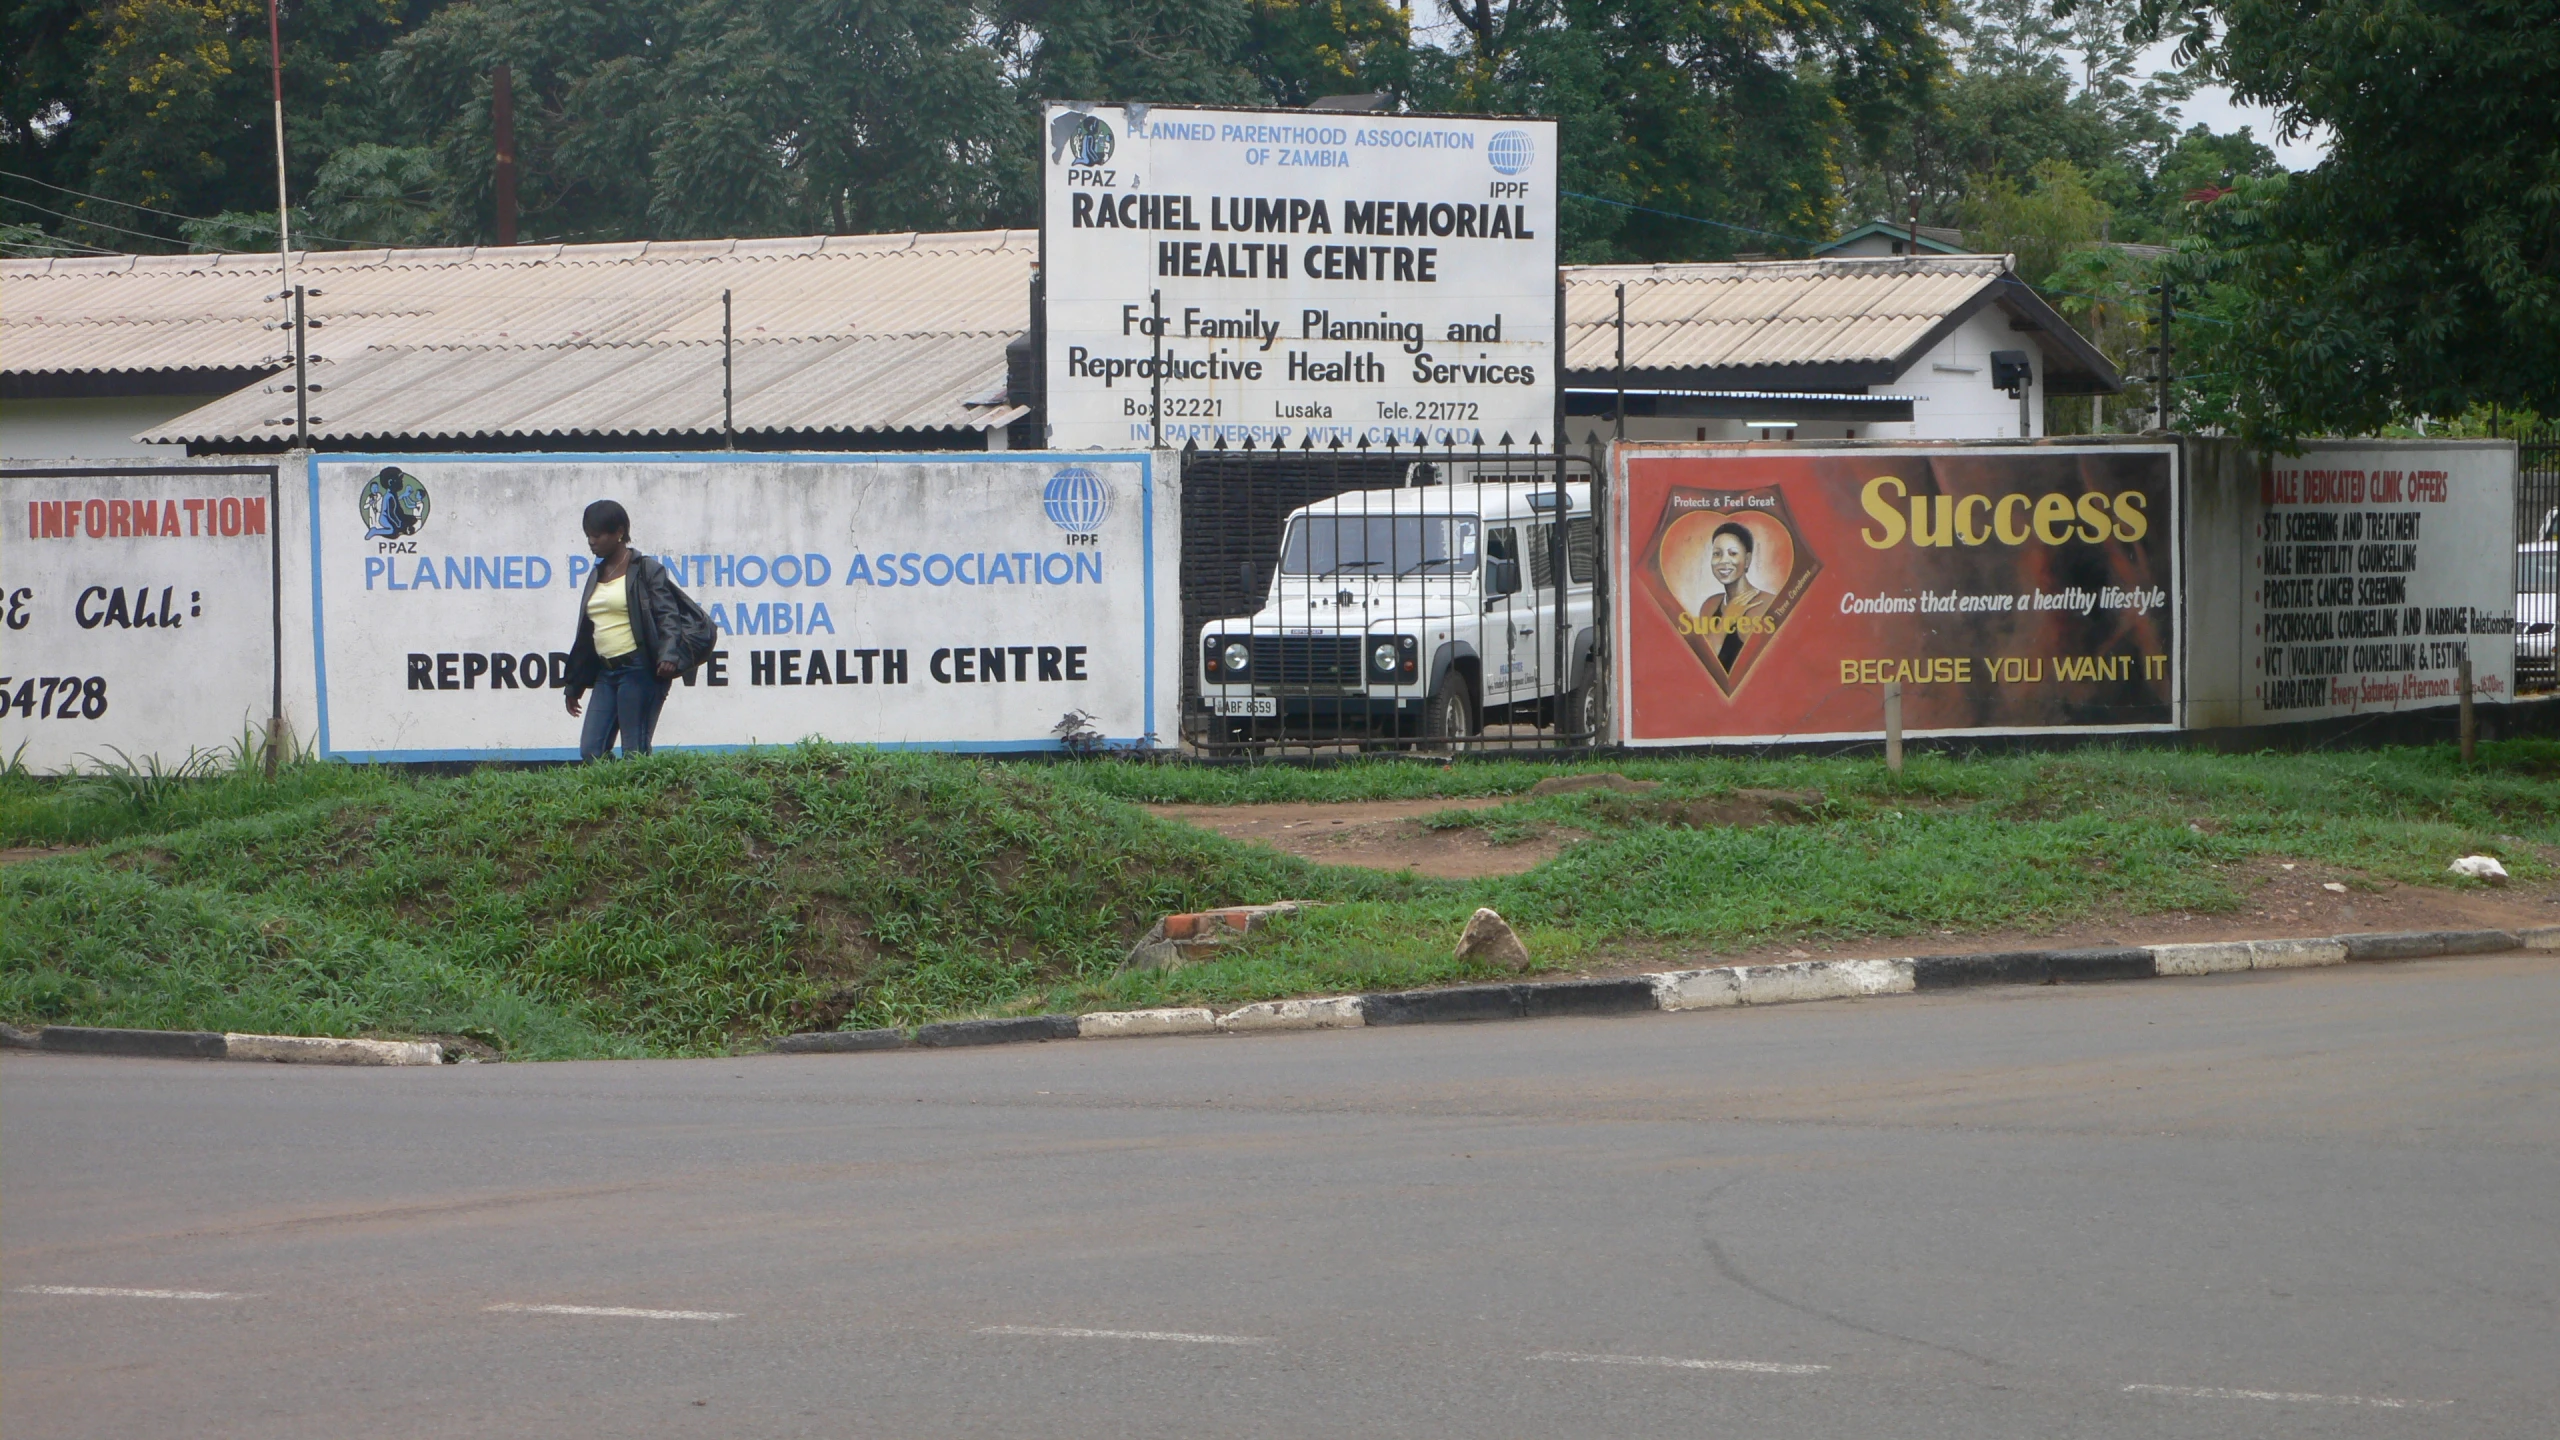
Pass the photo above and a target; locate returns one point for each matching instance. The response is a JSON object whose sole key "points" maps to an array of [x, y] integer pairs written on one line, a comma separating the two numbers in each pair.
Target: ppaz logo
{"points": [[1079, 140], [394, 505]]}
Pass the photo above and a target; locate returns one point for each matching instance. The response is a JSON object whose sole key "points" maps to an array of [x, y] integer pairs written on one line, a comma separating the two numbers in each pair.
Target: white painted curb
{"points": [[2540, 937], [2225, 957], [1724, 985], [1117, 1024], [322, 1050], [1336, 1012]]}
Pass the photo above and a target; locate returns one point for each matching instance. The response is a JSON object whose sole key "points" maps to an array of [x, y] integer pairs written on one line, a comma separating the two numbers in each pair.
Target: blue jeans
{"points": [[626, 699]]}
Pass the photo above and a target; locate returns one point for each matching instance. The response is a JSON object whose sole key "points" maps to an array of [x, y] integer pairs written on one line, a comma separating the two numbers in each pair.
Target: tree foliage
{"points": [[2416, 271]]}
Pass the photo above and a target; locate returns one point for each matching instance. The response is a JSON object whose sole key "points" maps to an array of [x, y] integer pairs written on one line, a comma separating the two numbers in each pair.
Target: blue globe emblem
{"points": [[1511, 151], [1076, 500]]}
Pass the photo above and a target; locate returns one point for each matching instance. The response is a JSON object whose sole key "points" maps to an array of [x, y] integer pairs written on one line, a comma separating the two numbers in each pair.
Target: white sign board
{"points": [[2375, 568], [901, 600], [137, 613], [1318, 276]]}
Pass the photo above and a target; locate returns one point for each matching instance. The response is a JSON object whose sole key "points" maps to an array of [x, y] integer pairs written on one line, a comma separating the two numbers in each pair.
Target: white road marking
{"points": [[619, 1312], [120, 1293], [2215, 1392], [1748, 1367], [1060, 1332]]}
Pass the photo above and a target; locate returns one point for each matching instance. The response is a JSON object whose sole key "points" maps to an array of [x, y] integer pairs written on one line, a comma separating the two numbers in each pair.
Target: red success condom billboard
{"points": [[1771, 593]]}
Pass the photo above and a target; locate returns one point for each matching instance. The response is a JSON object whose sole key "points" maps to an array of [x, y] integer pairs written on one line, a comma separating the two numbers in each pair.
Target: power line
{"points": [[146, 209], [1692, 219]]}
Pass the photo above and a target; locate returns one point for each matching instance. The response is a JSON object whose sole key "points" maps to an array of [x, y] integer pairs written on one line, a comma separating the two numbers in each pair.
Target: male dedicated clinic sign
{"points": [[1320, 276]]}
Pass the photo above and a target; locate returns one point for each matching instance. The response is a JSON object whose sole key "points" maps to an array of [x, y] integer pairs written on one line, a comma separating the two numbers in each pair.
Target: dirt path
{"points": [[1376, 835], [14, 854]]}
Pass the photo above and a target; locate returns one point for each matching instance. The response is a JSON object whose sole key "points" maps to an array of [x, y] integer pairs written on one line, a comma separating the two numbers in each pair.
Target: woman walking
{"points": [[636, 633]]}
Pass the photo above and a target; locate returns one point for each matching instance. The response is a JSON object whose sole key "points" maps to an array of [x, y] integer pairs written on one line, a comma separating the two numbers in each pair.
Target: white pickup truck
{"points": [[1426, 611]]}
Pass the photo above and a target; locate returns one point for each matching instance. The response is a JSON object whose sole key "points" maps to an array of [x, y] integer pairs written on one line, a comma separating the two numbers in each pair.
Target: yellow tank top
{"points": [[610, 608]]}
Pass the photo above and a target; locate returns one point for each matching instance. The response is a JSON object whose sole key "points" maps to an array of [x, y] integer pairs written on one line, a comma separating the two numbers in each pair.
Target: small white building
{"points": [[1941, 347]]}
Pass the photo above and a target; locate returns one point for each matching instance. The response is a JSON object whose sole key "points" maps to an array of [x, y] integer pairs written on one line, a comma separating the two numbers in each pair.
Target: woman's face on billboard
{"points": [[1726, 560]]}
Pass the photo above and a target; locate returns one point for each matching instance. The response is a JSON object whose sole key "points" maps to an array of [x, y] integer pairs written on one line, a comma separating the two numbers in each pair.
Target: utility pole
{"points": [[1155, 404], [1622, 364], [502, 127], [301, 373], [284, 220], [2167, 370], [728, 374]]}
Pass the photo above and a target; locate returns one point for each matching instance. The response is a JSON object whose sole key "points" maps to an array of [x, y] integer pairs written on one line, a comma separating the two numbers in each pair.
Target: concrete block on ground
{"points": [[2419, 944], [1712, 988], [2000, 967], [1821, 980], [2212, 957], [1434, 1007], [13, 1038], [156, 1044], [2478, 942], [1116, 1024], [2295, 954], [1587, 997], [836, 1042], [998, 1032], [1195, 934], [329, 1050], [1332, 1012], [2105, 962], [2540, 937]]}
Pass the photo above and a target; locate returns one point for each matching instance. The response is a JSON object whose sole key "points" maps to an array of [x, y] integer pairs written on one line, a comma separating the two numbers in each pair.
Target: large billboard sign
{"points": [[2375, 568], [1771, 593], [1287, 276], [904, 600], [137, 613]]}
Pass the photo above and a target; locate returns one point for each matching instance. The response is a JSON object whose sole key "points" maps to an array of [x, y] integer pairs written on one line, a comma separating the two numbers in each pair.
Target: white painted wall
{"points": [[1951, 385], [90, 427]]}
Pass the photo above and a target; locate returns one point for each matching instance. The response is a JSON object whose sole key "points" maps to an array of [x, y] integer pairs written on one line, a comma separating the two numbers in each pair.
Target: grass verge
{"points": [[689, 904]]}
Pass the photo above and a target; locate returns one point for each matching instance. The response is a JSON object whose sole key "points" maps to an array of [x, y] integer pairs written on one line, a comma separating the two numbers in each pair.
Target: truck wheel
{"points": [[1449, 716], [1578, 723]]}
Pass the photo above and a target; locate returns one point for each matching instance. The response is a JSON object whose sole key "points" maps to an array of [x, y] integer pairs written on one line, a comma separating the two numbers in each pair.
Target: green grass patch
{"points": [[687, 905]]}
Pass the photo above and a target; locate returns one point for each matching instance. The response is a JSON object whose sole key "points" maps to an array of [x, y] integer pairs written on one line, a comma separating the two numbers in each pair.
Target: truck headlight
{"points": [[1237, 657], [1393, 659]]}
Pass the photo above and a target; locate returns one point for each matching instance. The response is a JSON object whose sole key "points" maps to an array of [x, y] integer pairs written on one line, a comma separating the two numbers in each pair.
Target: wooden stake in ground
{"points": [[1893, 726], [2470, 720]]}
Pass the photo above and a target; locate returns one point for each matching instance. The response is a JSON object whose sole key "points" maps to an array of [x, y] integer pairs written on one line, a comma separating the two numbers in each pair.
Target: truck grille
{"points": [[1325, 662]]}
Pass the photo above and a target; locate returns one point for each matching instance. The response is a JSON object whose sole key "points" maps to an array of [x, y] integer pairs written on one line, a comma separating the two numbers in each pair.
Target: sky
{"points": [[2212, 105]]}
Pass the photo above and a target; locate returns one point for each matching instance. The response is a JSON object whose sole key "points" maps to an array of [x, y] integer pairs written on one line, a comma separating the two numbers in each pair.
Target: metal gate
{"points": [[1378, 598], [2537, 556]]}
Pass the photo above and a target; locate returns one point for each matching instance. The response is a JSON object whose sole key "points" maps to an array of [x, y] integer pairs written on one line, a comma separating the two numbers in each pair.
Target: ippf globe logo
{"points": [[1076, 500], [1511, 151]]}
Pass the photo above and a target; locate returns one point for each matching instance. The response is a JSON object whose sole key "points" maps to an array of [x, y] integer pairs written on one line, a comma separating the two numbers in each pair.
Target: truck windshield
{"points": [[1380, 545]]}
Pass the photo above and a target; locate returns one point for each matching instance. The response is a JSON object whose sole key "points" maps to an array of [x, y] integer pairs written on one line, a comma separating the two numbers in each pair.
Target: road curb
{"points": [[212, 1045], [324, 1050], [1709, 988]]}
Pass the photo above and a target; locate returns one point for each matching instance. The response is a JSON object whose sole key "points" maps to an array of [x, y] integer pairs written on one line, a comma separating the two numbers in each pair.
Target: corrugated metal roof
{"points": [[898, 382], [1760, 313], [172, 312]]}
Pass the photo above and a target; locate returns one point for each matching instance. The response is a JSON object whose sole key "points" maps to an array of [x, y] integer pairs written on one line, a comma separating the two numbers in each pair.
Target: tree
{"points": [[2416, 270], [1677, 108], [689, 118], [120, 112]]}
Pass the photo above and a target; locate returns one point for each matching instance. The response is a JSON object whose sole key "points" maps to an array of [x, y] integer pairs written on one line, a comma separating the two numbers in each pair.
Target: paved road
{"points": [[2317, 1204]]}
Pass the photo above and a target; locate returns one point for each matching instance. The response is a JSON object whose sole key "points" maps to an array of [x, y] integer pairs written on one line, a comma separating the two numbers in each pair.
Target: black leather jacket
{"points": [[654, 621]]}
